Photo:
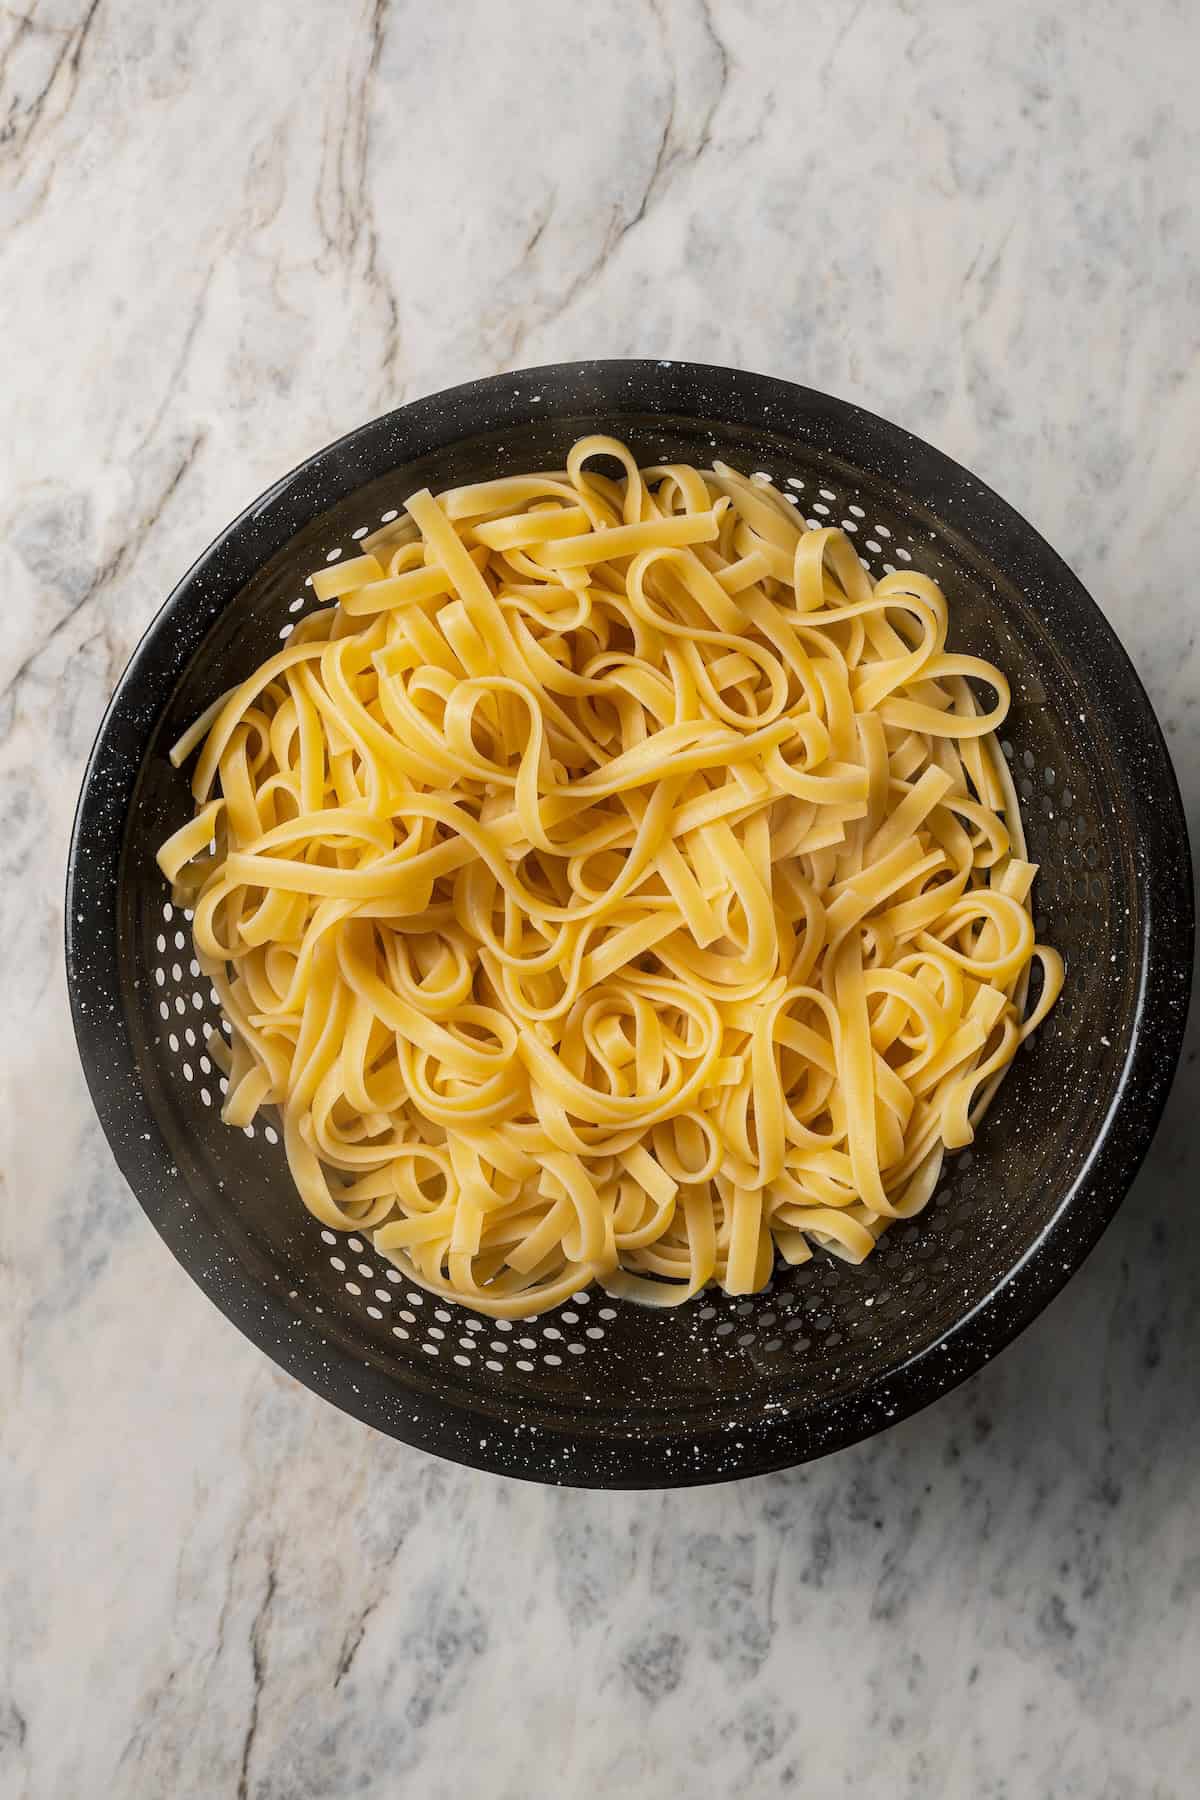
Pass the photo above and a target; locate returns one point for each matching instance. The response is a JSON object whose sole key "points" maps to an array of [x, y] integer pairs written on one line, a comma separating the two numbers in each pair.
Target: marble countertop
{"points": [[229, 233]]}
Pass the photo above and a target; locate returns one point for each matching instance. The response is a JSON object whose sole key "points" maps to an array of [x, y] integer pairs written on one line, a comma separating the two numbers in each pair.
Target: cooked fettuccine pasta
{"points": [[611, 882]]}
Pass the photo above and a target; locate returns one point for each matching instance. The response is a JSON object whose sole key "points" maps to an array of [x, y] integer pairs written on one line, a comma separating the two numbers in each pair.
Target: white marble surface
{"points": [[230, 232]]}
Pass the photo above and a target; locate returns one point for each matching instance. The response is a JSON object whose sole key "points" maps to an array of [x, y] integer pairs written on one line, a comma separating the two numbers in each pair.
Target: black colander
{"points": [[602, 1393]]}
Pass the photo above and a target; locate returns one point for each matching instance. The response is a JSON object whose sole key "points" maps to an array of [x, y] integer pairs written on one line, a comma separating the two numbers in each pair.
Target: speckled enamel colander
{"points": [[597, 1392]]}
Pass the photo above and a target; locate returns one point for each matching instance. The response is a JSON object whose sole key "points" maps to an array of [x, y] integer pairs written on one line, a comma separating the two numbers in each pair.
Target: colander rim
{"points": [[645, 388]]}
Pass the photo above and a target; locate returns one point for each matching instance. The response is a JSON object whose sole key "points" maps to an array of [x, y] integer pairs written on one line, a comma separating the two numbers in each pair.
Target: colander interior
{"points": [[602, 1391]]}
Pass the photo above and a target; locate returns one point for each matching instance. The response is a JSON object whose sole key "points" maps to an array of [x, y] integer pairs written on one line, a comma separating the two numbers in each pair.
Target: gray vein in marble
{"points": [[258, 1640], [45, 535]]}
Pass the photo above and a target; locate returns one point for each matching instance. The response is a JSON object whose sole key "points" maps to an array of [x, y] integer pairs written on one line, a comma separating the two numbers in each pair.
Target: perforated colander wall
{"points": [[597, 1391]]}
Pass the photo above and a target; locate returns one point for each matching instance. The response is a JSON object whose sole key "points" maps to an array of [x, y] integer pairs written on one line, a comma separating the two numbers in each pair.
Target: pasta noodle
{"points": [[611, 882]]}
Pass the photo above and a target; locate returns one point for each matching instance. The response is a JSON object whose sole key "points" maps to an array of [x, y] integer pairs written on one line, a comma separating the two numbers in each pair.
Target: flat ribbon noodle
{"points": [[611, 882]]}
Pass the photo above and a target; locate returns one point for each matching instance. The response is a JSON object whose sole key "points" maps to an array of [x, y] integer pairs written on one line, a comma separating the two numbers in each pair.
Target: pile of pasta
{"points": [[611, 882]]}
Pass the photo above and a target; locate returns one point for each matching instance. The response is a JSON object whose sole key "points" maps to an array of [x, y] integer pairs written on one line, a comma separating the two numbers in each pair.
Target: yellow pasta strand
{"points": [[614, 884]]}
